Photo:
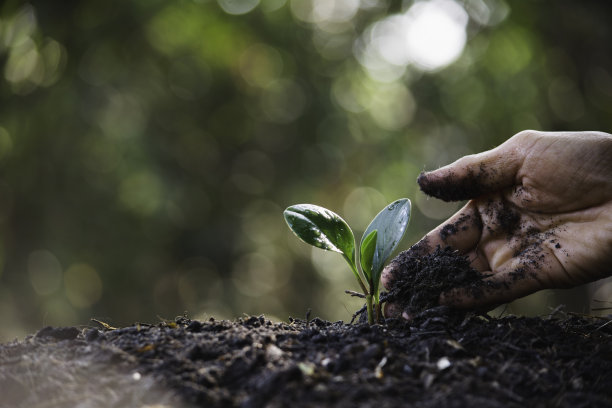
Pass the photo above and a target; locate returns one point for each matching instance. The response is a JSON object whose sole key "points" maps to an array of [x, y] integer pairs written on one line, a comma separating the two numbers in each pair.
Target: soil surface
{"points": [[440, 358], [434, 361]]}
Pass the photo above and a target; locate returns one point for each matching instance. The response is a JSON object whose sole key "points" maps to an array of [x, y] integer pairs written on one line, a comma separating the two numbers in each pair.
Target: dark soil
{"points": [[562, 360], [419, 279]]}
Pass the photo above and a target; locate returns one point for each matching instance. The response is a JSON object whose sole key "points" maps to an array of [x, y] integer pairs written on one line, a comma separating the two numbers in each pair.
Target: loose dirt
{"points": [[419, 279], [560, 360]]}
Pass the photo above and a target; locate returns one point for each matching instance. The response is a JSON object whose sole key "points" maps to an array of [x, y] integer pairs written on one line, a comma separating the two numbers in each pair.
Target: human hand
{"points": [[539, 215]]}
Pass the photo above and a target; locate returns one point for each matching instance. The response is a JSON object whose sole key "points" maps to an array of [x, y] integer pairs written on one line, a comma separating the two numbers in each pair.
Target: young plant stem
{"points": [[370, 310], [356, 273], [377, 309]]}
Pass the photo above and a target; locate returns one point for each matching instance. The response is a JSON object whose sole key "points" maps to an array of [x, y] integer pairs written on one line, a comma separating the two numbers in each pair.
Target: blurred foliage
{"points": [[148, 148]]}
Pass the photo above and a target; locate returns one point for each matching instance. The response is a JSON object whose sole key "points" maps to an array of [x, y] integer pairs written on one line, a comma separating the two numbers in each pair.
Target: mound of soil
{"points": [[563, 361]]}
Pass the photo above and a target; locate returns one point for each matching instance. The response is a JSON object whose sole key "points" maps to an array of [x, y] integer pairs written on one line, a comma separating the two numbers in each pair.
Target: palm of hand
{"points": [[542, 219]]}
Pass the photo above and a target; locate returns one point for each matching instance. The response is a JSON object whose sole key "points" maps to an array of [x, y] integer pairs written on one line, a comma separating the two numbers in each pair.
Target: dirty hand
{"points": [[539, 215]]}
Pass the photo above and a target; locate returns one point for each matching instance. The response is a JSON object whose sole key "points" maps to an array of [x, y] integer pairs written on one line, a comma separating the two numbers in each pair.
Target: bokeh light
{"points": [[45, 272], [83, 285], [237, 7], [429, 35], [31, 62], [435, 33], [324, 11]]}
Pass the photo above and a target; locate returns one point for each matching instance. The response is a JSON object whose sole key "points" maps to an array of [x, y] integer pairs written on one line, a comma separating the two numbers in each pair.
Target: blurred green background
{"points": [[148, 147]]}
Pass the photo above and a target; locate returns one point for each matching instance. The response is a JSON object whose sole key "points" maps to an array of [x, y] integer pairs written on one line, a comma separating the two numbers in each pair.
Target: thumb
{"points": [[477, 174]]}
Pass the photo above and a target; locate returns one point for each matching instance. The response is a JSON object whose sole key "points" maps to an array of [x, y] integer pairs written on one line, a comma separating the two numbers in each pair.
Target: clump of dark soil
{"points": [[562, 361], [419, 279]]}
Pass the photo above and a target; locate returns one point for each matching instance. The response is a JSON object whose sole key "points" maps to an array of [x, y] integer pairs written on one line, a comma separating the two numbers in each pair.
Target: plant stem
{"points": [[370, 311], [377, 310], [356, 273]]}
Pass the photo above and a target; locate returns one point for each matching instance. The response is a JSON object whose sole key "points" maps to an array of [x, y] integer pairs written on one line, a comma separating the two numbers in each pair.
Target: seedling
{"points": [[325, 229]]}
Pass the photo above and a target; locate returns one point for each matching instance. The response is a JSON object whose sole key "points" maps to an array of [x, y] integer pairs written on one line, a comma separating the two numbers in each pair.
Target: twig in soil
{"points": [[106, 326], [558, 309], [358, 313], [603, 325], [355, 294]]}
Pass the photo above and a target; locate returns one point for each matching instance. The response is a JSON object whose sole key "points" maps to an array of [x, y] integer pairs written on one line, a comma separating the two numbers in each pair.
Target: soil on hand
{"points": [[419, 279], [561, 361]]}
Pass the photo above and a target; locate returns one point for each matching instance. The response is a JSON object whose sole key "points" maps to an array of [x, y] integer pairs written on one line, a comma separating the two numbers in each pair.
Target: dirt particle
{"points": [[508, 218], [503, 216], [463, 223], [447, 230]]}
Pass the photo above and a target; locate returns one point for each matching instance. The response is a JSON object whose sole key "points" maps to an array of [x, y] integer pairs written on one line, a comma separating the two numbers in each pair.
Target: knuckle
{"points": [[527, 135]]}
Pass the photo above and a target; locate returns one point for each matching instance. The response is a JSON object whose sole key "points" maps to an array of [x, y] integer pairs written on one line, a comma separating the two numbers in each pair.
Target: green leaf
{"points": [[391, 224], [366, 253], [321, 228]]}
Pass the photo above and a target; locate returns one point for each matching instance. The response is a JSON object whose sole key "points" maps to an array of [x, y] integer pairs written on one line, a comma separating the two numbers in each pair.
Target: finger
{"points": [[462, 231], [478, 260], [391, 310], [474, 175], [387, 277], [494, 290]]}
